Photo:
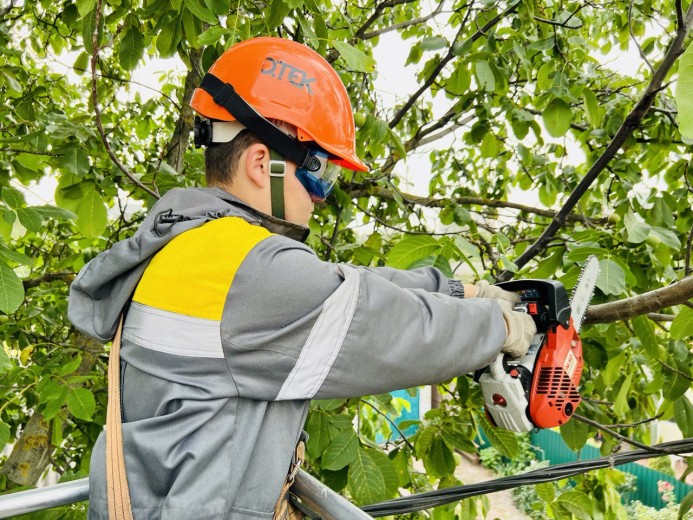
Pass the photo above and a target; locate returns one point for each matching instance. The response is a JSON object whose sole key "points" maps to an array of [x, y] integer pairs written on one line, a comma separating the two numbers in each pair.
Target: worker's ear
{"points": [[257, 164]]}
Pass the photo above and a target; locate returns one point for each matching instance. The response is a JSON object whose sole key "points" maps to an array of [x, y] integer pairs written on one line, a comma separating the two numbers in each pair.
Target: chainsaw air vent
{"points": [[555, 384]]}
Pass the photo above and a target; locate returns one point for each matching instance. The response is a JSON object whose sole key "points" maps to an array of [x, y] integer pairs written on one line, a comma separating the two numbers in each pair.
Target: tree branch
{"points": [[175, 150], [433, 202], [48, 277], [675, 294], [629, 125], [376, 14], [454, 48], [620, 437], [407, 23], [97, 110]]}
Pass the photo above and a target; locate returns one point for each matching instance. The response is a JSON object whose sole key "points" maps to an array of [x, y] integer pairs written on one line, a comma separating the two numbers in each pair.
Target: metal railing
{"points": [[318, 497]]}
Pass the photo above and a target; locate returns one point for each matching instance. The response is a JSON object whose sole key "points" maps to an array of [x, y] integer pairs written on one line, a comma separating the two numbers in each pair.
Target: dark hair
{"points": [[221, 159]]}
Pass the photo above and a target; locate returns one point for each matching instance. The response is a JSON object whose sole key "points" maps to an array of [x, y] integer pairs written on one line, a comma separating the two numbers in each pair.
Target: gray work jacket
{"points": [[231, 328]]}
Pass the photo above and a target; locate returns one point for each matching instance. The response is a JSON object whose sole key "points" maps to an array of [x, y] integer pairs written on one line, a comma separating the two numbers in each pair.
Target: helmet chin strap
{"points": [[277, 171]]}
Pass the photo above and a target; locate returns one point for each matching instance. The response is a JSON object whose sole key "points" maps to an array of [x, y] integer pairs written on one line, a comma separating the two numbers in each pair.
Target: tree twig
{"points": [[402, 25], [97, 110], [401, 433], [48, 277], [620, 437], [448, 57]]}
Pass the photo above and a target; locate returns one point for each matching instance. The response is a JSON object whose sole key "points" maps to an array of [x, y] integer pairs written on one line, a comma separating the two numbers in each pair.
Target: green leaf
{"points": [[424, 439], [484, 75], [54, 212], [503, 440], [578, 503], [341, 451], [621, 402], [318, 431], [4, 434], [645, 332], [433, 43], [557, 117], [611, 279], [592, 108], [667, 236], [366, 481], [684, 93], [131, 48], [81, 403], [637, 230], [682, 326], [546, 491], [5, 361], [11, 289], [388, 469], [354, 58], [574, 434], [212, 35], [678, 383], [12, 197], [91, 215], [200, 11], [686, 505], [683, 414], [70, 366], [30, 219], [15, 256], [439, 460], [410, 249], [84, 7]]}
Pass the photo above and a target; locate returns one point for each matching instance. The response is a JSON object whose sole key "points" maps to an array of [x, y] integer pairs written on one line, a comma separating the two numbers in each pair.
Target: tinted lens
{"points": [[321, 182]]}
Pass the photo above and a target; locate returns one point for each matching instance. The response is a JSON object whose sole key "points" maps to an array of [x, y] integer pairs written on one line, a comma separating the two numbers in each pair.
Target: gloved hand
{"points": [[486, 290], [521, 330]]}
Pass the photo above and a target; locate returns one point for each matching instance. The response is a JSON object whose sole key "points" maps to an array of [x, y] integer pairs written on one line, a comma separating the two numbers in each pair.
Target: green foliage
{"points": [[508, 121]]}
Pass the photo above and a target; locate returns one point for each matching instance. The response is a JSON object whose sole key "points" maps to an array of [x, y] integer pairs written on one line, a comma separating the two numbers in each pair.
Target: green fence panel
{"points": [[551, 447]]}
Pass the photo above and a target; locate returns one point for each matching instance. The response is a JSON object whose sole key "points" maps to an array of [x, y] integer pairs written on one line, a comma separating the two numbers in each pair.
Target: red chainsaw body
{"points": [[556, 376]]}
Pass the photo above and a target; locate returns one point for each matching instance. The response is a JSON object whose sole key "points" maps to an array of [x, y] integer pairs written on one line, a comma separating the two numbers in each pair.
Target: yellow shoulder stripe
{"points": [[192, 274]]}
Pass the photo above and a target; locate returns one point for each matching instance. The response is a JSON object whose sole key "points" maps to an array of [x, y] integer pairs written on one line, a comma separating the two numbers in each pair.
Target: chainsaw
{"points": [[539, 390]]}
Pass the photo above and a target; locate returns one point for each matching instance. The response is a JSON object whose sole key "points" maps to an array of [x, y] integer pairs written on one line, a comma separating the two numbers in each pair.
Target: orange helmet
{"points": [[285, 80]]}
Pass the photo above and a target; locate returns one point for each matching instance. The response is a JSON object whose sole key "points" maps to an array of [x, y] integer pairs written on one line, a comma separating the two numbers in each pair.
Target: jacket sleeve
{"points": [[427, 278], [295, 327]]}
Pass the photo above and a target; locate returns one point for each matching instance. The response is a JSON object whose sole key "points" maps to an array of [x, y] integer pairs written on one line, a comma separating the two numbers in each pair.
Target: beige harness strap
{"points": [[285, 510], [116, 480]]}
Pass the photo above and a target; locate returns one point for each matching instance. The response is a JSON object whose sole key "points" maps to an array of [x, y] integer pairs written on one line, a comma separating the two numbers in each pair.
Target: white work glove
{"points": [[486, 290], [521, 330]]}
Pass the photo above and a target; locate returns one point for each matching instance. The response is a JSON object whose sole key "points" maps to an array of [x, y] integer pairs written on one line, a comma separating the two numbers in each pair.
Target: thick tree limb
{"points": [[433, 202], [629, 125], [675, 294], [181, 135]]}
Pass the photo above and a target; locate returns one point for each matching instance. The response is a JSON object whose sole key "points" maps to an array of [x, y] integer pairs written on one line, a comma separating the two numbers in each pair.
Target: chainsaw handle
{"points": [[496, 367]]}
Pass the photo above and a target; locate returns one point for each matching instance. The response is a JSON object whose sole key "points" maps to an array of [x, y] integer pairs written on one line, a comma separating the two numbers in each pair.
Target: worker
{"points": [[232, 325]]}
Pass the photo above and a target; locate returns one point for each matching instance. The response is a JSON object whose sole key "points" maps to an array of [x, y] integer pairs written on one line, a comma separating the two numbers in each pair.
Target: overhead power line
{"points": [[440, 497]]}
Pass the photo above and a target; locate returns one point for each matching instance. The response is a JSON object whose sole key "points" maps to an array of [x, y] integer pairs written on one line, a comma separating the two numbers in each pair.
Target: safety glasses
{"points": [[321, 181]]}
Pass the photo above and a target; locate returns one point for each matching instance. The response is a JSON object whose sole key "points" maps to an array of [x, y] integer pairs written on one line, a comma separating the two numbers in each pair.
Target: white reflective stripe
{"points": [[173, 333], [325, 340]]}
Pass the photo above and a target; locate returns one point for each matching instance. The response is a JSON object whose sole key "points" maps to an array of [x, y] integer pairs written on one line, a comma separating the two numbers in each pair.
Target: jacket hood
{"points": [[104, 286]]}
